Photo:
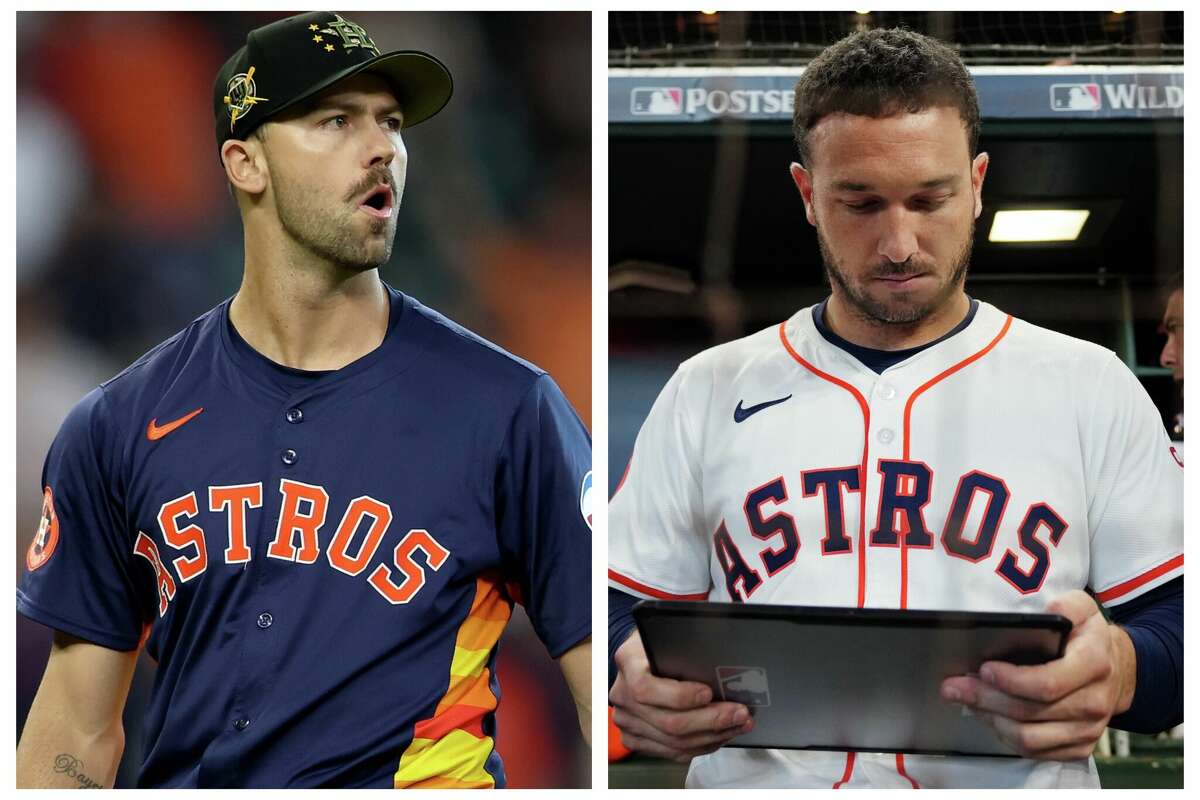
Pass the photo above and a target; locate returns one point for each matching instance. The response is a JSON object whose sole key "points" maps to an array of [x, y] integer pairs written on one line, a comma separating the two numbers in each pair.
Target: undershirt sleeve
{"points": [[1154, 621], [620, 627]]}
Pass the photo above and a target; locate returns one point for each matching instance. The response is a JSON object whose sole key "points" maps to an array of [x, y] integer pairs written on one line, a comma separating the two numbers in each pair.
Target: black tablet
{"points": [[845, 679]]}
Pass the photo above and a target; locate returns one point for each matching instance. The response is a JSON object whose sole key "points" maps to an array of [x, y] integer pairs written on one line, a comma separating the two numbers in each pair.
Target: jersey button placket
{"points": [[885, 393], [294, 415]]}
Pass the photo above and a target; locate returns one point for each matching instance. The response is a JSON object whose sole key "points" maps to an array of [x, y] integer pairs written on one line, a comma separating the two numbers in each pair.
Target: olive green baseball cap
{"points": [[292, 59]]}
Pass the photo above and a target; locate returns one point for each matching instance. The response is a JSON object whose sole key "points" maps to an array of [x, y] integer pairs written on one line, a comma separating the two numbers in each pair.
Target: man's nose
{"points": [[381, 148], [1168, 357], [898, 239]]}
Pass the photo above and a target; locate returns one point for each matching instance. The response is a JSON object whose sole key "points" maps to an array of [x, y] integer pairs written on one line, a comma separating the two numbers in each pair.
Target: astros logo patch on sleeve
{"points": [[46, 539], [585, 499]]}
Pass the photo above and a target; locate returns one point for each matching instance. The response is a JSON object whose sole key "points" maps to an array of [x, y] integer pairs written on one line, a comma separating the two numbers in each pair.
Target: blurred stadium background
{"points": [[708, 240], [126, 232]]}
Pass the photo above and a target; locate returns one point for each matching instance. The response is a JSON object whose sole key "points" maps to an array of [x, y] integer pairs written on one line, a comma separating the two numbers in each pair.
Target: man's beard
{"points": [[896, 310], [334, 235]]}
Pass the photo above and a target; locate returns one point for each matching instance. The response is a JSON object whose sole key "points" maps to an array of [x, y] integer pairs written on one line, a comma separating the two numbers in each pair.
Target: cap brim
{"points": [[422, 84]]}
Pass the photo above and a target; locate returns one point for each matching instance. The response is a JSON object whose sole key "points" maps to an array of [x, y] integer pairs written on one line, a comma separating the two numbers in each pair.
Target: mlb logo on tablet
{"points": [[657, 100], [1075, 97], [745, 685]]}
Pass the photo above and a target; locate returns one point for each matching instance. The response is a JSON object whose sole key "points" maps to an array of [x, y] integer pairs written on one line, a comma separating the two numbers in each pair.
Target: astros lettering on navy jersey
{"points": [[322, 562], [991, 471]]}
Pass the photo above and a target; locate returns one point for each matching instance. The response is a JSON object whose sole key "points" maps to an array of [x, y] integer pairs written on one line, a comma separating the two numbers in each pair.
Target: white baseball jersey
{"points": [[991, 471]]}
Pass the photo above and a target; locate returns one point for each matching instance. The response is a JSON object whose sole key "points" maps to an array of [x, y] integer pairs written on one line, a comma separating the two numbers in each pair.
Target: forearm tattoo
{"points": [[67, 764]]}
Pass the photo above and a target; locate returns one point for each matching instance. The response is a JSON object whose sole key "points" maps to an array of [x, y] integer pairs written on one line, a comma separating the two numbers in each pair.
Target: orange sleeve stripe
{"points": [[478, 633], [479, 693], [1122, 589], [450, 750], [472, 690], [490, 602], [460, 717], [644, 589]]}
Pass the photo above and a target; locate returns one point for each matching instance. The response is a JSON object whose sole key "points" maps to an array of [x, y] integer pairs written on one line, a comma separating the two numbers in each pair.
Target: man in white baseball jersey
{"points": [[902, 445]]}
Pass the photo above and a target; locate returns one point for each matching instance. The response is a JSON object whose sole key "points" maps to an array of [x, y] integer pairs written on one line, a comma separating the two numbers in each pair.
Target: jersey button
{"points": [[241, 724], [289, 456], [294, 415], [886, 435], [887, 391], [265, 620]]}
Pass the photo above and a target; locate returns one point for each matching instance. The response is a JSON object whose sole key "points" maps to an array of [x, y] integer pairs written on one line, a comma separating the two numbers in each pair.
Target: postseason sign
{"points": [[704, 94]]}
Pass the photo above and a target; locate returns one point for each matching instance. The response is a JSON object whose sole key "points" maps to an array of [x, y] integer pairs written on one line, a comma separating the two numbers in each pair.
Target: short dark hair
{"points": [[881, 72]]}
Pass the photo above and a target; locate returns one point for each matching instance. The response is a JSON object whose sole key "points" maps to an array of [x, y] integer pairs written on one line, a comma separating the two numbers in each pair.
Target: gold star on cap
{"points": [[329, 48], [318, 38], [313, 27]]}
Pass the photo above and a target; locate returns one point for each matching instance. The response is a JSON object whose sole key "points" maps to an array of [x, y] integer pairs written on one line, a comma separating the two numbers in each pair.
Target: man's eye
{"points": [[340, 121], [393, 123], [931, 203], [861, 208]]}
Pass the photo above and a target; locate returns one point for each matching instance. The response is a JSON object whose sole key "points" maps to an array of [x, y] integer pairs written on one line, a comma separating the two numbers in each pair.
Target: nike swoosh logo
{"points": [[742, 414], [154, 431]]}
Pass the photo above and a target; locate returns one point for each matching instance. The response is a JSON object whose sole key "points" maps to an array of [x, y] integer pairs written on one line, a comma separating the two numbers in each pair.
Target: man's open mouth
{"points": [[378, 202]]}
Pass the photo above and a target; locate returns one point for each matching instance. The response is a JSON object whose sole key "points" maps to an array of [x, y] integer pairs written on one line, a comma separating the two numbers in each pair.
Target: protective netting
{"points": [[674, 38]]}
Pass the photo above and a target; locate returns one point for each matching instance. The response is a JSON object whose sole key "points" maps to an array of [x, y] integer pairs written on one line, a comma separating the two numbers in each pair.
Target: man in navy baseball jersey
{"points": [[315, 505]]}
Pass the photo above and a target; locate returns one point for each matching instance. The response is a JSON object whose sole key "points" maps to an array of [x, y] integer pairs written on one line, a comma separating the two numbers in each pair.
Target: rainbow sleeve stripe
{"points": [[450, 750]]}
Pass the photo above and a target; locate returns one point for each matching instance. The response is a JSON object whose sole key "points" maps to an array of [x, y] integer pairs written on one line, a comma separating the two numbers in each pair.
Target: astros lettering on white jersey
{"points": [[991, 471]]}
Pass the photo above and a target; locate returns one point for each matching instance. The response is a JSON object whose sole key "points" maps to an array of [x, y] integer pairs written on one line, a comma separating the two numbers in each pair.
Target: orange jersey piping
{"points": [[862, 486]]}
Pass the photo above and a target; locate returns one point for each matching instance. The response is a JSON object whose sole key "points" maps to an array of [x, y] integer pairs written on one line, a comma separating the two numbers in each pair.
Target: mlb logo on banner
{"points": [[657, 100], [1075, 96]]}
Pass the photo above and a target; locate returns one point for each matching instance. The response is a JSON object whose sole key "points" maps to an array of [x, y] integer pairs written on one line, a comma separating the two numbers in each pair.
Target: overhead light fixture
{"points": [[862, 13], [708, 13], [1038, 225]]}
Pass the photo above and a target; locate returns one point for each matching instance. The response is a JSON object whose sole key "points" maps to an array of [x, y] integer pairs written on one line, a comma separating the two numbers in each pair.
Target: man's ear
{"points": [[803, 181], [245, 164], [978, 171]]}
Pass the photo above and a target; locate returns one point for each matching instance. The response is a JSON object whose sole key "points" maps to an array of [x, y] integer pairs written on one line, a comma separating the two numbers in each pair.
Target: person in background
{"points": [[1172, 352]]}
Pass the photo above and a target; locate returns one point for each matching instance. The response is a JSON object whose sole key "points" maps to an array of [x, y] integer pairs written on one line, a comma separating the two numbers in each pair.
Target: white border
{"points": [[599, 323], [599, 400]]}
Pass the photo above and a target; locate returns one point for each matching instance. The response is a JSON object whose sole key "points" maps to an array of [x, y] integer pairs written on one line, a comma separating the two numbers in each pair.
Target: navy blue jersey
{"points": [[320, 563]]}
